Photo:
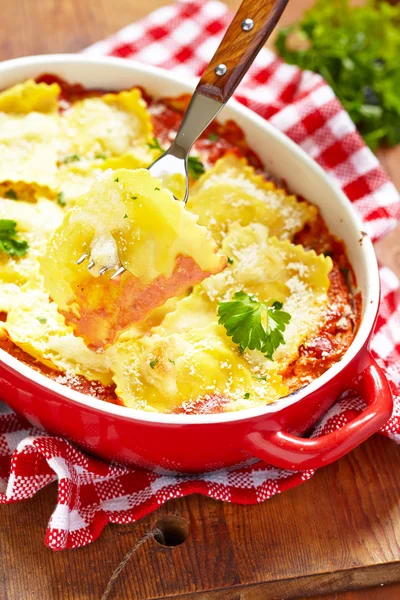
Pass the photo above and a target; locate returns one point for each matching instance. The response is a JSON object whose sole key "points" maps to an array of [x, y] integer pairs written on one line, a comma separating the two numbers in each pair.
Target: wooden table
{"points": [[340, 531]]}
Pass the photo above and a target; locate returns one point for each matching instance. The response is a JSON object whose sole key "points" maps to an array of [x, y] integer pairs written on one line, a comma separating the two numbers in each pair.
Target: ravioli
{"points": [[159, 373], [111, 124], [30, 96], [30, 139], [231, 192], [127, 216], [35, 325], [274, 270], [35, 223], [27, 143]]}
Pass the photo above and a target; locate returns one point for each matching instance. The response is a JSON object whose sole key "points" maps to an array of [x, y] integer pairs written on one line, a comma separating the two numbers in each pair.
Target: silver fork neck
{"points": [[199, 114]]}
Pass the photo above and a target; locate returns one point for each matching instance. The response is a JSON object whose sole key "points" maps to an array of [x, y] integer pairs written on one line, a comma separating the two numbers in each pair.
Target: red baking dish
{"points": [[193, 443]]}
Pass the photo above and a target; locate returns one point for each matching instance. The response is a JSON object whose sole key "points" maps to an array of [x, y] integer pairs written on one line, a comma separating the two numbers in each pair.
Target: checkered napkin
{"points": [[182, 37]]}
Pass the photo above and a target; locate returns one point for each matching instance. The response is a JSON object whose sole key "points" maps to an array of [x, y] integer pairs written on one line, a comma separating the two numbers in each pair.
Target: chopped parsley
{"points": [[356, 49], [155, 145], [263, 378], [213, 137], [230, 260], [11, 194], [171, 361], [252, 324], [195, 167], [42, 320], [133, 197], [156, 189], [246, 396], [100, 155], [9, 241], [61, 199], [116, 179], [153, 363], [125, 216], [70, 159]]}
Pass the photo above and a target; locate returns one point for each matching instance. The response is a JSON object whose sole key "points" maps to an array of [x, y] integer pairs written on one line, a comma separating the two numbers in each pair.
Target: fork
{"points": [[244, 38]]}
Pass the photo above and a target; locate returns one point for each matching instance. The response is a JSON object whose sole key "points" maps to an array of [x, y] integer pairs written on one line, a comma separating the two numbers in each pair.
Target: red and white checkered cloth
{"points": [[182, 37]]}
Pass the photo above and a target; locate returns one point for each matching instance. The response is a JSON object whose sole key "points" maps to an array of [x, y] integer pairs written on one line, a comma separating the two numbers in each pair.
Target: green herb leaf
{"points": [[11, 195], [70, 159], [213, 137], [230, 260], [246, 396], [9, 242], [252, 324], [100, 155], [356, 49], [155, 145], [125, 216], [195, 167], [116, 179], [153, 363], [171, 361], [60, 199], [133, 197], [263, 378], [156, 189], [42, 320]]}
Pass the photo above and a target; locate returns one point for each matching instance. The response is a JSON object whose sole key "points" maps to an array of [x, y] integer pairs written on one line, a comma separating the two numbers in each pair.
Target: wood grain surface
{"points": [[337, 534], [239, 48]]}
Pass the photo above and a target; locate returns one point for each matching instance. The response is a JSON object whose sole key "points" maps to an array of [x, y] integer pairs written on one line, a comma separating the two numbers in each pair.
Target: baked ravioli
{"points": [[129, 219], [230, 302]]}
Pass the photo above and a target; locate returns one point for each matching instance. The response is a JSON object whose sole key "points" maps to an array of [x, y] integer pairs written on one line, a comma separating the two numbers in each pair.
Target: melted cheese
{"points": [[35, 325], [149, 228], [29, 138], [230, 192], [29, 146], [127, 216], [35, 223], [195, 311], [112, 124], [40, 218], [161, 373]]}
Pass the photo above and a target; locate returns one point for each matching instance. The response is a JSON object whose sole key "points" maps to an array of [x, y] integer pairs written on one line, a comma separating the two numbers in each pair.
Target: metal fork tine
{"points": [[103, 270], [118, 272], [82, 259]]}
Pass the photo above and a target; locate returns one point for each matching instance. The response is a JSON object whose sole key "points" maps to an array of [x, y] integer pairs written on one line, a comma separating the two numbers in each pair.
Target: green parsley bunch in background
{"points": [[357, 51]]}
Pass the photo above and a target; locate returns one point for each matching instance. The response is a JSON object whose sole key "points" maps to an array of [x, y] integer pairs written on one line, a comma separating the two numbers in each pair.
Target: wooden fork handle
{"points": [[239, 47]]}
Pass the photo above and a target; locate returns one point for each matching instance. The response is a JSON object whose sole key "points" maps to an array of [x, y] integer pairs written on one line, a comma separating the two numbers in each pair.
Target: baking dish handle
{"points": [[295, 453]]}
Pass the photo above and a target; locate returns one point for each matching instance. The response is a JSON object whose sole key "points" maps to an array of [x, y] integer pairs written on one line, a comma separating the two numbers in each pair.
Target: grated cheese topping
{"points": [[178, 354]]}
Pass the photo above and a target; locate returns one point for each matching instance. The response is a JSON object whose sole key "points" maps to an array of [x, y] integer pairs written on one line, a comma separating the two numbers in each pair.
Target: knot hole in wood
{"points": [[174, 529]]}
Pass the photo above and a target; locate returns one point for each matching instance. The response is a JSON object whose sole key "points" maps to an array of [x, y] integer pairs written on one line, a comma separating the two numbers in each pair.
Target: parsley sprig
{"points": [[252, 324], [356, 50], [9, 241], [155, 145], [195, 166]]}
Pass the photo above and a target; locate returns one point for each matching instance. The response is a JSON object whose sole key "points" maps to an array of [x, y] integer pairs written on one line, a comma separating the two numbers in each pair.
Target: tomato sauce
{"points": [[343, 308]]}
